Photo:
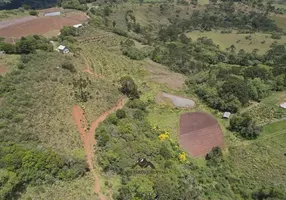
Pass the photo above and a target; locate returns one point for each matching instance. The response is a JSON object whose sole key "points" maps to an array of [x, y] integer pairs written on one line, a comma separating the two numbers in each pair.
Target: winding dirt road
{"points": [[87, 135]]}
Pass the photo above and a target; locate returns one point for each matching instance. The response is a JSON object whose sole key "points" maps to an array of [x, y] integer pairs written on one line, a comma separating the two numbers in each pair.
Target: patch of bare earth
{"points": [[162, 75], [199, 133], [87, 134], [3, 69], [17, 28]]}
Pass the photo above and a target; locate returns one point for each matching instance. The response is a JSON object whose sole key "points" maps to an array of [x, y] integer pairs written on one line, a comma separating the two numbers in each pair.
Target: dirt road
{"points": [[87, 135]]}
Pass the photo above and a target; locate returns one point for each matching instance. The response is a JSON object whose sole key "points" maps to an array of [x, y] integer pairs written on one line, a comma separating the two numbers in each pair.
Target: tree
{"points": [[34, 13], [69, 31], [214, 157], [129, 88], [139, 188], [120, 114], [26, 45], [245, 126], [81, 89]]}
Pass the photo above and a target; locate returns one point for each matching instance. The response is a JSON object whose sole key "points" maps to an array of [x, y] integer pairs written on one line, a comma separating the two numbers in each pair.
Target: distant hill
{"points": [[35, 4]]}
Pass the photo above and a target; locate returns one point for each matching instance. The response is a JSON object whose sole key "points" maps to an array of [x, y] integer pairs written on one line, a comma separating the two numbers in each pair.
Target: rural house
{"points": [[226, 115], [63, 49]]}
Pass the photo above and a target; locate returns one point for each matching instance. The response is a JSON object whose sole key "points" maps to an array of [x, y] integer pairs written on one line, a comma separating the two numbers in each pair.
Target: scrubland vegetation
{"points": [[41, 154]]}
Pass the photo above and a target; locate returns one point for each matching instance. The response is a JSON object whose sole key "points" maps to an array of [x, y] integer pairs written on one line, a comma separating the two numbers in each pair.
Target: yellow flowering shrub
{"points": [[182, 156], [163, 136]]}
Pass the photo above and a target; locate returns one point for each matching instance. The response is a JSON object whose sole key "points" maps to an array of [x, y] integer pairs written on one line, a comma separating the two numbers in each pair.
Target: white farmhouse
{"points": [[63, 49]]}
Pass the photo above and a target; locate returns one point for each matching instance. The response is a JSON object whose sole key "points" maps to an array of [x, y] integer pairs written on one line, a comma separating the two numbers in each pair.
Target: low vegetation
{"points": [[41, 154]]}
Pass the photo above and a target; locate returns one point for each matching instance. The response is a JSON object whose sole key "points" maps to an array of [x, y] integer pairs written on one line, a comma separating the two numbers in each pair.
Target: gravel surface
{"points": [[179, 101]]}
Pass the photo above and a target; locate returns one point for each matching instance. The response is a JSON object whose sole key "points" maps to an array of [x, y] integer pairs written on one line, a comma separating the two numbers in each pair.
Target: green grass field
{"points": [[264, 157], [226, 40], [12, 14], [280, 21]]}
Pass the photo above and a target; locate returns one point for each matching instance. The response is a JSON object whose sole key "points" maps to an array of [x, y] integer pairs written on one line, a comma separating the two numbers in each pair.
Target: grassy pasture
{"points": [[226, 40], [9, 61], [203, 2], [280, 21], [12, 14], [264, 157]]}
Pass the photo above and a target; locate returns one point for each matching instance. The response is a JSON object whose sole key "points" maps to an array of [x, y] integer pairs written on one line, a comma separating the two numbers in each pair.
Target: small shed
{"points": [[51, 14], [226, 115], [283, 105], [63, 49], [77, 25]]}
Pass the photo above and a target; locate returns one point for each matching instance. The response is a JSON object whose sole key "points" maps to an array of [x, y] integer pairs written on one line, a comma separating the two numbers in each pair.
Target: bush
{"points": [[34, 13], [69, 66], [137, 103], [129, 88], [134, 53], [7, 48], [120, 114], [214, 157], [276, 36], [69, 31], [245, 126]]}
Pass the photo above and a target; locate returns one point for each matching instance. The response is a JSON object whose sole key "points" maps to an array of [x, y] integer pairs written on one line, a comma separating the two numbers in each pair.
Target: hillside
{"points": [[93, 123]]}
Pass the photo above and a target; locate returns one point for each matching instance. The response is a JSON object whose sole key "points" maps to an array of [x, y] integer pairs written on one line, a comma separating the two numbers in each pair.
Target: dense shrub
{"points": [[134, 53], [245, 126], [129, 88], [34, 13], [69, 66]]}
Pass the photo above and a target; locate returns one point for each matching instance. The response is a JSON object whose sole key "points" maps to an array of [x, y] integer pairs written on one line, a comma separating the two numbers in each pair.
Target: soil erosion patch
{"points": [[199, 133], [87, 134], [2, 69]]}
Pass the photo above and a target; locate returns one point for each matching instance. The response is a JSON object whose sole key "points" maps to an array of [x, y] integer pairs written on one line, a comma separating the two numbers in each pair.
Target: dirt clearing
{"points": [[47, 26], [87, 134], [162, 75], [199, 133], [3, 69]]}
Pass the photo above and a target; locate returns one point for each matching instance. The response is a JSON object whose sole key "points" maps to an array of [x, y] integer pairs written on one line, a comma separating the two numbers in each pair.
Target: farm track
{"points": [[87, 134]]}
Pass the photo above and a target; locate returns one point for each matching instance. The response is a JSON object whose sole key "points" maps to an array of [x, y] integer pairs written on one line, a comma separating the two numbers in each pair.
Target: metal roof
{"points": [[226, 114], [61, 47], [52, 14]]}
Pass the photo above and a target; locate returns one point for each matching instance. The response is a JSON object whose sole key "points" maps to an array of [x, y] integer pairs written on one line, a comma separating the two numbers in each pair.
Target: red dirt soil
{"points": [[38, 25], [87, 70], [3, 69], [199, 133], [88, 137]]}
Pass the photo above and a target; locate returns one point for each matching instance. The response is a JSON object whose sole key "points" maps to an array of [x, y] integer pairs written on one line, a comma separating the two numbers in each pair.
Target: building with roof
{"points": [[226, 115], [63, 49], [51, 14], [283, 105], [77, 25]]}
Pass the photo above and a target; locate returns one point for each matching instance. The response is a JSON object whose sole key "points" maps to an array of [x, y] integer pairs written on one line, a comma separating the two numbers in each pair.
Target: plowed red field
{"points": [[199, 133], [16, 28]]}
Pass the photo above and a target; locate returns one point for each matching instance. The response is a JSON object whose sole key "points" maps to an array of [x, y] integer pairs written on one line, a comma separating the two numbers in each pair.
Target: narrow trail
{"points": [[87, 135]]}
